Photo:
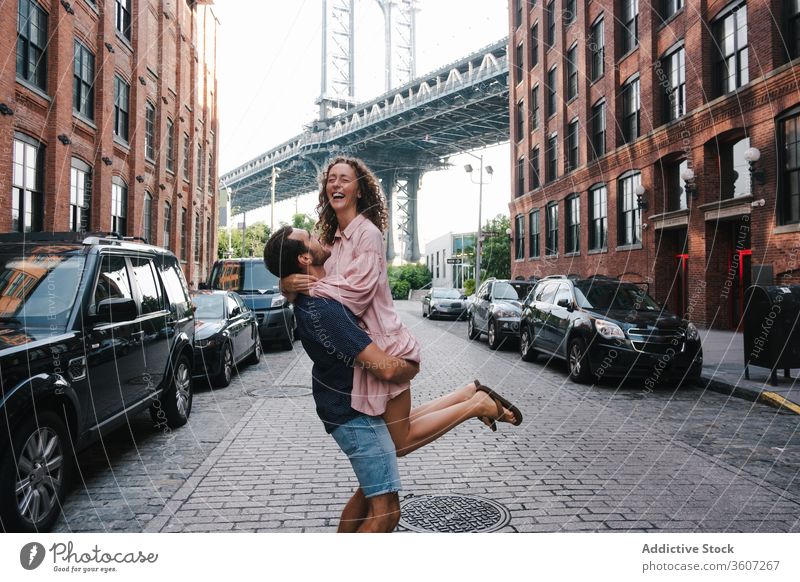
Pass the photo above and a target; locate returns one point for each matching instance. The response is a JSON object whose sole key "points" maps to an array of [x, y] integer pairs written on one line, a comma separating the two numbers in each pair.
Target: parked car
{"points": [[93, 330], [496, 310], [606, 327], [260, 291], [443, 302], [226, 333]]}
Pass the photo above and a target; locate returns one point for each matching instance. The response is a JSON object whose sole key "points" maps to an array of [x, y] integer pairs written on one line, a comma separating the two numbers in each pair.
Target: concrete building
{"points": [[659, 142], [460, 249], [108, 121]]}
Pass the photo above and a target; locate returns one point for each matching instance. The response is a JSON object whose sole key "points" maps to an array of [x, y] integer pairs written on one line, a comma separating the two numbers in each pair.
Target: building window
{"points": [[535, 107], [80, 194], [629, 25], [674, 67], [519, 237], [572, 72], [551, 229], [518, 4], [210, 174], [598, 218], [630, 110], [170, 146], [630, 216], [32, 44], [520, 119], [518, 64], [83, 81], [597, 47], [186, 156], [147, 217], [734, 169], [520, 176], [184, 226], [535, 181], [535, 45], [572, 145], [551, 159], [196, 237], [730, 33], [167, 225], [27, 201], [599, 129], [550, 13], [533, 236], [119, 206], [570, 12], [199, 166], [675, 193], [150, 131], [789, 164], [669, 8], [121, 101], [123, 18], [572, 211], [793, 28], [551, 92]]}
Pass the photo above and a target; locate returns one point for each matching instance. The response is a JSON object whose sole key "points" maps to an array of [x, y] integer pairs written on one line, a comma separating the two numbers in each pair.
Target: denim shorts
{"points": [[367, 443]]}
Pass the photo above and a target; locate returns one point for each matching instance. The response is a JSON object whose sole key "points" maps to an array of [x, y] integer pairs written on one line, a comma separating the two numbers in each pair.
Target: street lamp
{"points": [[480, 182]]}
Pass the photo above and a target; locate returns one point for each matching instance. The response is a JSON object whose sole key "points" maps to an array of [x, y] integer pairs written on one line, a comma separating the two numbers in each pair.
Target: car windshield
{"points": [[209, 306], [258, 278], [446, 294], [510, 291], [38, 288], [626, 296]]}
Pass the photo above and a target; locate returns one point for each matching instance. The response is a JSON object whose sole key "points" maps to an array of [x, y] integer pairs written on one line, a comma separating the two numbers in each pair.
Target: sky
{"points": [[269, 61]]}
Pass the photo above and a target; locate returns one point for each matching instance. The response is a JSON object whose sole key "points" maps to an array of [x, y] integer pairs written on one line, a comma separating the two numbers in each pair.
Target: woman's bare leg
{"points": [[410, 434], [456, 396]]}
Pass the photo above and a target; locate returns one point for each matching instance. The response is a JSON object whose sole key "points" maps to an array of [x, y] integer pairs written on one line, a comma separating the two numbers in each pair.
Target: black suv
{"points": [[606, 327], [260, 291], [93, 329], [496, 310]]}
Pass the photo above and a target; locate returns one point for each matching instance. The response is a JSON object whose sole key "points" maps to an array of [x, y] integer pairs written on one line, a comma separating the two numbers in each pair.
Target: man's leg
{"points": [[383, 515], [354, 513]]}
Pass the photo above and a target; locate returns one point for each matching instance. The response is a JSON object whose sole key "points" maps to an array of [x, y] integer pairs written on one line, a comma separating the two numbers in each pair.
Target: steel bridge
{"points": [[410, 129]]}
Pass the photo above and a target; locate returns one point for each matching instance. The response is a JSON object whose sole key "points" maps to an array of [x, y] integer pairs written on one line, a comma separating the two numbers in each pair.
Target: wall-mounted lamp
{"points": [[106, 160], [140, 179], [751, 156], [67, 7], [687, 175], [142, 81], [508, 232], [164, 99], [110, 47], [5, 109], [162, 187], [640, 201], [64, 138]]}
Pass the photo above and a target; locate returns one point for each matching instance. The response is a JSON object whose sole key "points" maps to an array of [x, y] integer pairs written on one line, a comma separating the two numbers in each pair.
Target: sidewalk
{"points": [[723, 371]]}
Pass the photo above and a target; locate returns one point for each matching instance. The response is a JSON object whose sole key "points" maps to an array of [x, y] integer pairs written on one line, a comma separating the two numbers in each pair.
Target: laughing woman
{"points": [[352, 219]]}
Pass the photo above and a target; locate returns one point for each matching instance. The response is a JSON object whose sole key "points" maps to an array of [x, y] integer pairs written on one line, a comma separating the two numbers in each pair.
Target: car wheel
{"points": [[175, 404], [578, 364], [493, 335], [226, 368], [34, 473], [526, 350], [288, 343], [255, 357], [424, 315], [472, 331]]}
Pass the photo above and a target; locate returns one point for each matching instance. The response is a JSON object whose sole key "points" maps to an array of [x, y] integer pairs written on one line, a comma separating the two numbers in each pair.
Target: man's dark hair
{"points": [[281, 253]]}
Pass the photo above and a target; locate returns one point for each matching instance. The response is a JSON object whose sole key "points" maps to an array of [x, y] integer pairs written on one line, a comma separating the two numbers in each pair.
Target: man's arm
{"points": [[385, 367]]}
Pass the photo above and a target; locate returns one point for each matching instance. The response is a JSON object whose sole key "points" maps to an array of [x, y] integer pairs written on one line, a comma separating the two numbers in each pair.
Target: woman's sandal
{"points": [[501, 403]]}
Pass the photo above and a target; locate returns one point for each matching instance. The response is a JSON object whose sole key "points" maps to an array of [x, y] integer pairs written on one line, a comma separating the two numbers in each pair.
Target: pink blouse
{"points": [[355, 276]]}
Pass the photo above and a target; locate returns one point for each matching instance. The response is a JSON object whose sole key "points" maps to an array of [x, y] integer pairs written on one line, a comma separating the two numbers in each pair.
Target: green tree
{"points": [[406, 277], [496, 249], [303, 221], [255, 238]]}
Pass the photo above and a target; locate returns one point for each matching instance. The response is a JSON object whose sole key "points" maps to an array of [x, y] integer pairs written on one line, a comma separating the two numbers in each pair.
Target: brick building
{"points": [[108, 117], [634, 125]]}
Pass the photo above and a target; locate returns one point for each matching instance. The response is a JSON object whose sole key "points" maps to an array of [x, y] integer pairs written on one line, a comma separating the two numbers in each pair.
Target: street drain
{"points": [[452, 514], [284, 391]]}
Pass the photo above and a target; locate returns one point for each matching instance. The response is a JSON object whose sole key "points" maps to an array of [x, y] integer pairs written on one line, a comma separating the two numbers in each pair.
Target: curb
{"points": [[751, 394]]}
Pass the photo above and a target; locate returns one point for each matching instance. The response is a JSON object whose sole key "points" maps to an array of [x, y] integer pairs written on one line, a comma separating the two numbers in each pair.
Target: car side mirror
{"points": [[236, 311], [116, 310], [566, 303], [203, 286]]}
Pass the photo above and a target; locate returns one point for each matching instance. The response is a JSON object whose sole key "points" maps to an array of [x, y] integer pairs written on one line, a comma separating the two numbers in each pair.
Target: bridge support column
{"points": [[388, 183], [412, 251]]}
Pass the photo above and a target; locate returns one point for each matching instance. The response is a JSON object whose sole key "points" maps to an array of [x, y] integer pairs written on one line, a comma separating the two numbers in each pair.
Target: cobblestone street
{"points": [[587, 458]]}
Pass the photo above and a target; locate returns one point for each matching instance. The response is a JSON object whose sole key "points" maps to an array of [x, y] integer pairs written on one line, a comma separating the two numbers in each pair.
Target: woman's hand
{"points": [[297, 283]]}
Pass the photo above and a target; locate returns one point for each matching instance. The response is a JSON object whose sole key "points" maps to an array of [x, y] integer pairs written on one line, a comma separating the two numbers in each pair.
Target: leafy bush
{"points": [[404, 278], [469, 287]]}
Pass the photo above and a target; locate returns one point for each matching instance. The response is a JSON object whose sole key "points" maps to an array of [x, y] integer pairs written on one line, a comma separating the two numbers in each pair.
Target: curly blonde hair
{"points": [[372, 204]]}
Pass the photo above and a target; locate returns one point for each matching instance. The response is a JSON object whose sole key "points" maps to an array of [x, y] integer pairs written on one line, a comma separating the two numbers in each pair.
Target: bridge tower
{"points": [[338, 94]]}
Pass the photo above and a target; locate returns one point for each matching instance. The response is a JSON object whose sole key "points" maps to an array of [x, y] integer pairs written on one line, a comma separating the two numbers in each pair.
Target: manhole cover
{"points": [[285, 391], [452, 514]]}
